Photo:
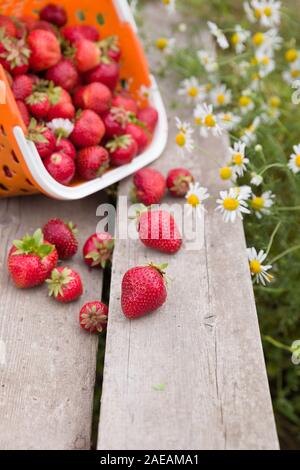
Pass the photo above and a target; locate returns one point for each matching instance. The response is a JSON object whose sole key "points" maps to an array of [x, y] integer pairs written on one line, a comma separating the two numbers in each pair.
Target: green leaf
{"points": [[100, 19]]}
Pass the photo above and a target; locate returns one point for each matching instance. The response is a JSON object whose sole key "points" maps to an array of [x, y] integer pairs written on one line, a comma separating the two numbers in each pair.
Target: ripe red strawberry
{"points": [[87, 55], [115, 122], [92, 162], [77, 32], [110, 48], [63, 236], [97, 250], [149, 117], [78, 97], [61, 110], [122, 149], [61, 167], [106, 73], [96, 97], [43, 138], [22, 87], [178, 181], [88, 130], [63, 74], [8, 26], [55, 14], [138, 134], [143, 290], [65, 285], [45, 25], [158, 230], [93, 317], [45, 50], [125, 102], [31, 260], [38, 104], [65, 146], [14, 56], [149, 186], [24, 112]]}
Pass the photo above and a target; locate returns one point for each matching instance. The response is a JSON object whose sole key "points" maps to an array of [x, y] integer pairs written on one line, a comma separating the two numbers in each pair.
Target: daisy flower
{"points": [[228, 120], [257, 269], [191, 89], [207, 60], [294, 161], [195, 197], [184, 139], [261, 204], [165, 45], [246, 103], [206, 120], [170, 5], [291, 55], [217, 33], [239, 38], [265, 61], [269, 40], [220, 96], [61, 127], [145, 92], [232, 205], [256, 179], [238, 159], [227, 173], [248, 135], [292, 73], [244, 191], [267, 12]]}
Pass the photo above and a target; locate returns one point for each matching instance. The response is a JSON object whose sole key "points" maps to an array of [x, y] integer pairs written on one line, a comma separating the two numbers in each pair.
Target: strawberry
{"points": [[143, 290], [61, 167], [125, 102], [149, 117], [110, 48], [157, 230], [31, 260], [178, 181], [14, 56], [38, 104], [87, 55], [106, 73], [115, 122], [65, 146], [149, 186], [55, 14], [43, 138], [77, 32], [88, 129], [65, 285], [24, 112], [45, 50], [96, 97], [62, 235], [97, 250], [92, 162], [138, 134], [93, 317], [22, 87], [122, 149], [7, 27], [61, 110], [45, 25], [78, 97], [63, 74]]}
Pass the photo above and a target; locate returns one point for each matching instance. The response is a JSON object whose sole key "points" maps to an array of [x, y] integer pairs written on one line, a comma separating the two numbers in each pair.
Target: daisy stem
{"points": [[277, 343], [288, 208], [284, 253], [272, 238], [272, 165]]}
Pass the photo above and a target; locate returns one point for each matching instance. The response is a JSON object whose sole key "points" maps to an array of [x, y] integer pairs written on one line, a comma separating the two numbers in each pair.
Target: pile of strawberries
{"points": [[66, 82]]}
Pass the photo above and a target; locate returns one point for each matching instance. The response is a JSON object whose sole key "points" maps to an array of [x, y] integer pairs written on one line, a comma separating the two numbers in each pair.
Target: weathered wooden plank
{"points": [[47, 370], [192, 374]]}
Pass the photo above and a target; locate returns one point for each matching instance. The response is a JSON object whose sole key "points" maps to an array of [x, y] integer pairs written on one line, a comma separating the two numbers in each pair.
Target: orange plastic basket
{"points": [[21, 170]]}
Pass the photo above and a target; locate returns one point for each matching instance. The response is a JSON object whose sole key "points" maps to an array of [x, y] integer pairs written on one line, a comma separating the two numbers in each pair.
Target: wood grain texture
{"points": [[47, 370], [192, 374]]}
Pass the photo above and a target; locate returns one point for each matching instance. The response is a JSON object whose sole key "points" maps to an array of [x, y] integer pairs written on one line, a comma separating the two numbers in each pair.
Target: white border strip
{"points": [[125, 13]]}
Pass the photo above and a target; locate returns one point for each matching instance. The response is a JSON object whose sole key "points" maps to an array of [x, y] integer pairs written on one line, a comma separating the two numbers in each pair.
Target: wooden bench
{"points": [[190, 376]]}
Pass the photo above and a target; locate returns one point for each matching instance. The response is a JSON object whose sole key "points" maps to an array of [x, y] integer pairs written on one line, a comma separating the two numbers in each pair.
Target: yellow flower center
{"points": [[230, 204], [257, 12], [210, 120], [257, 203], [180, 139], [244, 101], [225, 173], [235, 39], [198, 121], [268, 11], [258, 39], [227, 117], [166, 2], [255, 266], [220, 99], [193, 200], [254, 61], [295, 73], [297, 160], [161, 43], [275, 101], [265, 60], [291, 55], [237, 158], [193, 91]]}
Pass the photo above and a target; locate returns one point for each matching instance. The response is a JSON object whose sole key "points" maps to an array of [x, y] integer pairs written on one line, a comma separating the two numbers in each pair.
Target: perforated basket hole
{"points": [[14, 156], [7, 171], [4, 188], [2, 130], [29, 182], [23, 190]]}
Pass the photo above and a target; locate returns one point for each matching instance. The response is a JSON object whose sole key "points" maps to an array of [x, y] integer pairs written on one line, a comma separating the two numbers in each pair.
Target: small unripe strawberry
{"points": [[178, 181], [97, 250], [93, 317], [65, 285]]}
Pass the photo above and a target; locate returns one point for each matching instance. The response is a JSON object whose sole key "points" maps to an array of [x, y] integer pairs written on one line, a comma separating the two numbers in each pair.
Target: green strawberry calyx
{"points": [[35, 132], [102, 254], [58, 280], [123, 141], [93, 318], [161, 268], [180, 183], [72, 227], [134, 120], [33, 244], [36, 98]]}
